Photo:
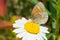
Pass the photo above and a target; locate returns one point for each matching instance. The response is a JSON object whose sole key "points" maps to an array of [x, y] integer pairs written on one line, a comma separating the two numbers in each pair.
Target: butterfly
{"points": [[39, 14]]}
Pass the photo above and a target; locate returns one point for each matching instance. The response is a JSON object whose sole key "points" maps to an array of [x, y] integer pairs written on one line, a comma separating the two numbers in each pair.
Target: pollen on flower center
{"points": [[31, 27]]}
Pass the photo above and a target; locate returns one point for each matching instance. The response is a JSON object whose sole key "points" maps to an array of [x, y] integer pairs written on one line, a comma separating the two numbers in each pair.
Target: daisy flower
{"points": [[29, 30]]}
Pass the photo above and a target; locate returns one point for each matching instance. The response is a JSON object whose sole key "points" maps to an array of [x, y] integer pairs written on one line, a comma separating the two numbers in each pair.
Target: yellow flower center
{"points": [[32, 27]]}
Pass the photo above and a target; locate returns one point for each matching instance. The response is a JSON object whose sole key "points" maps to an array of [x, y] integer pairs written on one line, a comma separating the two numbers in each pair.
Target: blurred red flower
{"points": [[3, 7]]}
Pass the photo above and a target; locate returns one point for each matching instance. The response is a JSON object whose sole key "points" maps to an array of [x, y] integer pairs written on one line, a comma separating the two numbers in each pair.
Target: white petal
{"points": [[24, 18], [29, 37], [21, 20], [17, 25], [44, 36], [44, 29], [29, 20], [24, 38], [39, 37], [20, 35], [18, 30]]}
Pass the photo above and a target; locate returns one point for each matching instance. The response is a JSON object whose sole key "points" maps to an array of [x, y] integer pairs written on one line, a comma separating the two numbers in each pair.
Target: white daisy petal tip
{"points": [[24, 18], [19, 36], [48, 32], [44, 29], [18, 20], [29, 20], [14, 25], [15, 31]]}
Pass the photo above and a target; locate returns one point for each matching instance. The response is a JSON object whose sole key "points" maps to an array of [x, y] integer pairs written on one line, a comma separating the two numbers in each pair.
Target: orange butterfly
{"points": [[39, 14]]}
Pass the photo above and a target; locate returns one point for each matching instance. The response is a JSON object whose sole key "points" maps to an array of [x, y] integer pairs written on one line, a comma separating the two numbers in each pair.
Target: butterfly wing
{"points": [[39, 14]]}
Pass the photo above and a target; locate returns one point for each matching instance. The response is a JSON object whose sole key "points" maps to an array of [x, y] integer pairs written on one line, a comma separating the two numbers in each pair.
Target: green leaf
{"points": [[49, 13], [34, 1], [54, 37], [1, 17], [49, 35], [58, 14], [9, 33], [7, 16]]}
